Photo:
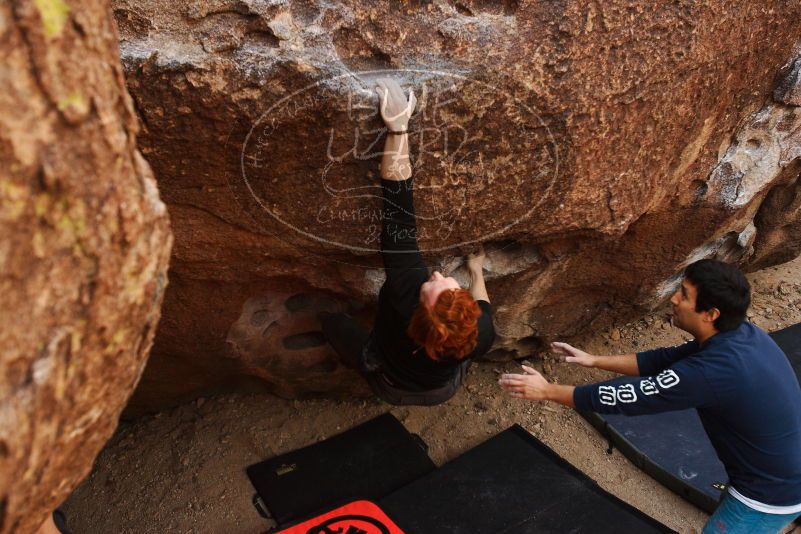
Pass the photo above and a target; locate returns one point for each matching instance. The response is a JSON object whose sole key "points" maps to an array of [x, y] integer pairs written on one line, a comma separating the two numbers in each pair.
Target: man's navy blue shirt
{"points": [[747, 396]]}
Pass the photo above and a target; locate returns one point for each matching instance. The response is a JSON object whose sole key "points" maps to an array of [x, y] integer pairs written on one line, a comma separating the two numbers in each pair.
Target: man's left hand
{"points": [[531, 385]]}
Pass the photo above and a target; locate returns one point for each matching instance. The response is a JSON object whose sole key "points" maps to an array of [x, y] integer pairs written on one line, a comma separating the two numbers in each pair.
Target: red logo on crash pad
{"points": [[359, 517]]}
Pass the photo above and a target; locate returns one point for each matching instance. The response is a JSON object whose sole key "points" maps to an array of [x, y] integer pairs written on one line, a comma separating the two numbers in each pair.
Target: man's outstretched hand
{"points": [[531, 385], [571, 354], [396, 110]]}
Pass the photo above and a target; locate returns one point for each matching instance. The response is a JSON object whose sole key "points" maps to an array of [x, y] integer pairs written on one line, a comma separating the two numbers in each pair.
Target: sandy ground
{"points": [[183, 470]]}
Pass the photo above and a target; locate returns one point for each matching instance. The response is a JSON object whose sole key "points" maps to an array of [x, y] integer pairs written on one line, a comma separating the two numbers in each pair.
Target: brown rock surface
{"points": [[589, 145], [789, 89], [84, 247]]}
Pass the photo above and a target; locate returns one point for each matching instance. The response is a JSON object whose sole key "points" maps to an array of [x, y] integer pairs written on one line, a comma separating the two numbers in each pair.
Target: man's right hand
{"points": [[571, 354]]}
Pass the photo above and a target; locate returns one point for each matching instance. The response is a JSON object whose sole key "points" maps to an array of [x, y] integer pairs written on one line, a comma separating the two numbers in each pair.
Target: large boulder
{"points": [[84, 247], [594, 147]]}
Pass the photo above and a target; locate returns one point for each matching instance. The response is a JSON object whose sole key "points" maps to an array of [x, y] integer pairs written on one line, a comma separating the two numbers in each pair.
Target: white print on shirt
{"points": [[667, 379], [648, 387], [607, 395], [626, 394]]}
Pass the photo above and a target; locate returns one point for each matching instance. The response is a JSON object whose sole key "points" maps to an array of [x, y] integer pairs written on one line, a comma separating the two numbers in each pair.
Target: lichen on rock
{"points": [[84, 248]]}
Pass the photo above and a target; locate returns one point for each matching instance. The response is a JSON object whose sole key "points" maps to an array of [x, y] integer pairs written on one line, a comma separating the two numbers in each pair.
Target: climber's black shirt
{"points": [[404, 362]]}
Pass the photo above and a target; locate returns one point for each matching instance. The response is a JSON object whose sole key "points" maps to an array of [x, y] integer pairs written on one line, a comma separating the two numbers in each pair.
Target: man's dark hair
{"points": [[720, 286]]}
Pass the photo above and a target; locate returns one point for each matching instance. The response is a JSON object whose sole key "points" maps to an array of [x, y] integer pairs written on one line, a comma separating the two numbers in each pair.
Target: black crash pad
{"points": [[673, 447], [511, 483], [789, 339], [366, 462]]}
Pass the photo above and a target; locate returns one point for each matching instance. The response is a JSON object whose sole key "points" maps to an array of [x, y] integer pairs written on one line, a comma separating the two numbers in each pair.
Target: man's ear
{"points": [[711, 315]]}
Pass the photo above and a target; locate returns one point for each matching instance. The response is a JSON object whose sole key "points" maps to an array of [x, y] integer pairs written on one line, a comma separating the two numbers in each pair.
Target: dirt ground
{"points": [[183, 470]]}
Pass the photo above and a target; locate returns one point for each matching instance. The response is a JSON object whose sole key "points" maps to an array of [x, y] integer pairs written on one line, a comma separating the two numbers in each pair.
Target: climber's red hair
{"points": [[449, 328]]}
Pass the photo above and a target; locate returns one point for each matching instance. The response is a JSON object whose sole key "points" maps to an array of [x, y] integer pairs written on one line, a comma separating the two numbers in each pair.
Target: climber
{"points": [[740, 381], [427, 329]]}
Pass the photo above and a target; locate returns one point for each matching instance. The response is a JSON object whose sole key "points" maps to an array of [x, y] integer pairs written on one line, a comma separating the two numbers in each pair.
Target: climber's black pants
{"points": [[355, 346], [348, 338]]}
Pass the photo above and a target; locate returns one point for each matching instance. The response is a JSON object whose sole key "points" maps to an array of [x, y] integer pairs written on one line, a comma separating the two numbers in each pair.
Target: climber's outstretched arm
{"points": [[404, 265], [396, 111], [475, 266]]}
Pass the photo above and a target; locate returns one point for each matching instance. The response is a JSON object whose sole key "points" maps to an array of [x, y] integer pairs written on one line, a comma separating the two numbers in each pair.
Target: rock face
{"points": [[84, 247], [588, 145]]}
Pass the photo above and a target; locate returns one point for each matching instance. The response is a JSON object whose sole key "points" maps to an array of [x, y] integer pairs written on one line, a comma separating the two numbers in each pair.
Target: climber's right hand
{"points": [[475, 260], [396, 110]]}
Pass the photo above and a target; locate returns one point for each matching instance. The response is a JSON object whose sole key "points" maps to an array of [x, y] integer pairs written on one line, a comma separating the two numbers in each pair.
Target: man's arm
{"points": [[624, 364], [650, 362], [678, 388]]}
